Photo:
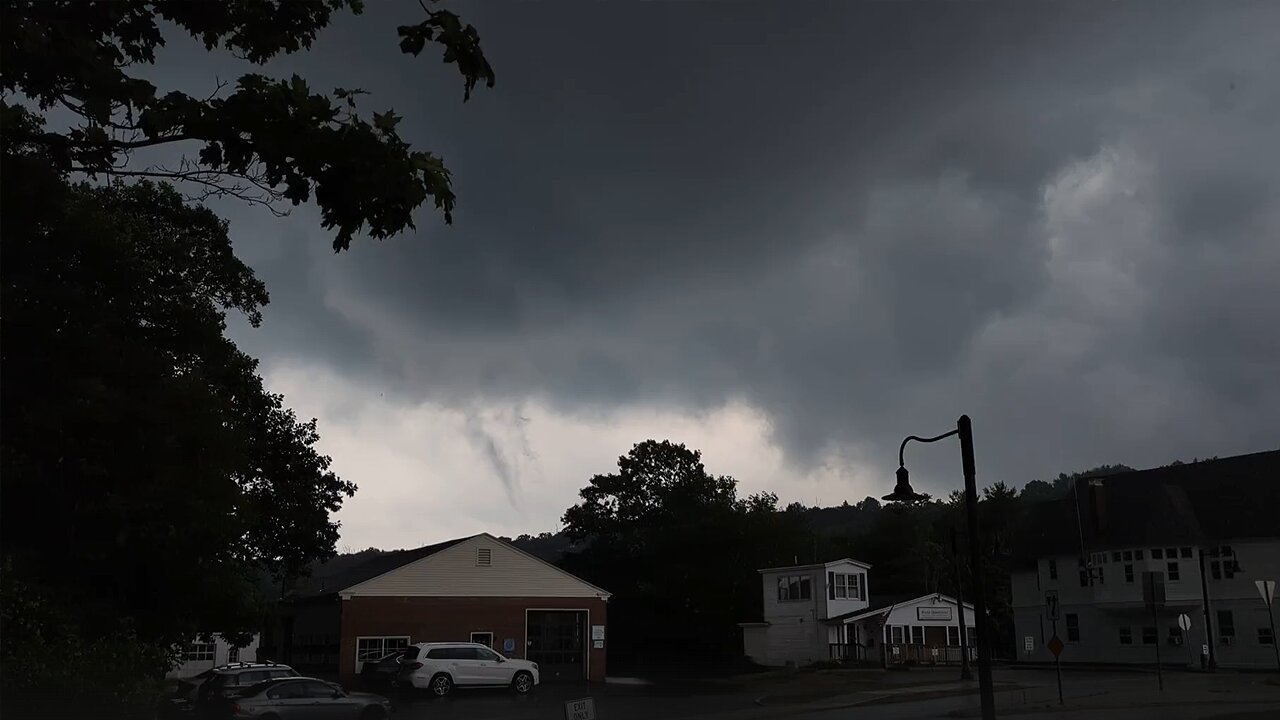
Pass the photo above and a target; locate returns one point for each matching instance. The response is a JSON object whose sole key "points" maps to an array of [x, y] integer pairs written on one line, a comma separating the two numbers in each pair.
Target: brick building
{"points": [[477, 589]]}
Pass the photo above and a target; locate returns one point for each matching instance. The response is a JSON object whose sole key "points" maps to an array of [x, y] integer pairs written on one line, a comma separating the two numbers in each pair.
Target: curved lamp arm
{"points": [[909, 438]]}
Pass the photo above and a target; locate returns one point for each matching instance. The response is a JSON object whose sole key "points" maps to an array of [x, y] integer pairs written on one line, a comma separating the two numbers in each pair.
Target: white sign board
{"points": [[935, 652], [1184, 622], [597, 632], [1204, 649], [597, 644], [584, 709], [933, 613], [1029, 644], [1267, 589]]}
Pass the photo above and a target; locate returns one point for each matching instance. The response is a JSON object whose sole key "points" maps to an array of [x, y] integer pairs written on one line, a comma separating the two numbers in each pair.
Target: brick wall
{"points": [[436, 619]]}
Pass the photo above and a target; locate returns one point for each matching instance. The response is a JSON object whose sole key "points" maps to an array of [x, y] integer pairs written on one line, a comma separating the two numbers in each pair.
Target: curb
{"points": [[1054, 707]]}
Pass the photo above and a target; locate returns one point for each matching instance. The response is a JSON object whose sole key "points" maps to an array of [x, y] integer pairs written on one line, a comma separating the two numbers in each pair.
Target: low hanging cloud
{"points": [[798, 237]]}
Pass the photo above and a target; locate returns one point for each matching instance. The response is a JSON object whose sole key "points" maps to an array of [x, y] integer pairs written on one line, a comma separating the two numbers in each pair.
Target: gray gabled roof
{"points": [[889, 602]]}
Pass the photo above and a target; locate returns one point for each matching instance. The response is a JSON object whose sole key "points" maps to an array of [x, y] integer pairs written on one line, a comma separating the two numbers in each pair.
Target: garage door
{"points": [[557, 641]]}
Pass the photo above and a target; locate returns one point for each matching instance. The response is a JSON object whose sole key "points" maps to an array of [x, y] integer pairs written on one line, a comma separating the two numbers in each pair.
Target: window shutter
{"points": [[831, 586]]}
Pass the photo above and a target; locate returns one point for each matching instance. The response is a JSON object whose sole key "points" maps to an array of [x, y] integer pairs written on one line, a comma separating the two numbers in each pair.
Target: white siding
{"points": [[796, 641], [905, 614], [221, 656], [776, 610], [454, 572], [834, 607], [755, 644]]}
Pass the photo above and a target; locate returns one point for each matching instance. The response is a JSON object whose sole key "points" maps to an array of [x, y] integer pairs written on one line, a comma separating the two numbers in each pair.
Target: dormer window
{"points": [[845, 586]]}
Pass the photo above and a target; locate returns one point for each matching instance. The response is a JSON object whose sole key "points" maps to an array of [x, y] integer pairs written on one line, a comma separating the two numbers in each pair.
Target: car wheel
{"points": [[441, 684], [522, 682]]}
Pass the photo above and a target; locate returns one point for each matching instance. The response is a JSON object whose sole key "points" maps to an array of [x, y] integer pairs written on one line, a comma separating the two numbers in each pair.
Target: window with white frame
{"points": [[845, 587], [895, 634], [794, 587], [201, 651], [484, 638], [953, 635], [917, 634], [372, 648]]}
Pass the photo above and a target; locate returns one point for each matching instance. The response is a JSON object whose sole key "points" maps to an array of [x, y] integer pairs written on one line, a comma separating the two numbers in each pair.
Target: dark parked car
{"points": [[381, 673], [226, 679], [229, 681], [298, 698]]}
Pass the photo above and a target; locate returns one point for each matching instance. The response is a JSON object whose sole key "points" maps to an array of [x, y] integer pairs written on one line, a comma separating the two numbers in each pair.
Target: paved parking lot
{"points": [[667, 702]]}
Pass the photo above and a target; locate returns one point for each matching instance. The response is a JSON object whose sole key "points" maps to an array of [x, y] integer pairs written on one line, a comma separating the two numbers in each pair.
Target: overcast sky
{"points": [[788, 234]]}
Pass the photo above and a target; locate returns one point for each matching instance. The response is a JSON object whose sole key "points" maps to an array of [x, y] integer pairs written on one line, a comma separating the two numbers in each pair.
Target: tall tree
{"points": [[265, 141], [147, 474], [679, 550]]}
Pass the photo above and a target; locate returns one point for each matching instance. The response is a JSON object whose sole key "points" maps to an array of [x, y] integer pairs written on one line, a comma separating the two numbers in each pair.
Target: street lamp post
{"points": [[963, 632], [902, 492]]}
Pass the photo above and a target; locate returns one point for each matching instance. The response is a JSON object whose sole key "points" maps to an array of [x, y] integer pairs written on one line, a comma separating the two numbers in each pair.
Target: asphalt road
{"points": [[1090, 695]]}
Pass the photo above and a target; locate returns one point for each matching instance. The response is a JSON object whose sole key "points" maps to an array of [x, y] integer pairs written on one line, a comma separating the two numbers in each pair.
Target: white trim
{"points": [[408, 640], [812, 566], [906, 603], [586, 638]]}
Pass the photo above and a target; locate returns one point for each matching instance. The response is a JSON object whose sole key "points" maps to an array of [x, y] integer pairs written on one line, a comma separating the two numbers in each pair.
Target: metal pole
{"points": [[1271, 615], [965, 674], [983, 640], [1057, 666], [1208, 626], [1155, 618]]}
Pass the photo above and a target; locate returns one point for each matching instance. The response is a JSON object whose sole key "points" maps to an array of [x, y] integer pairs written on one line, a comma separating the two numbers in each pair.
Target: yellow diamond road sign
{"points": [[1055, 646]]}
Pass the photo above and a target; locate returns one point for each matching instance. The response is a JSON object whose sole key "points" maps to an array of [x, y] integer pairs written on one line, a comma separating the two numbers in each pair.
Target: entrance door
{"points": [[557, 642]]}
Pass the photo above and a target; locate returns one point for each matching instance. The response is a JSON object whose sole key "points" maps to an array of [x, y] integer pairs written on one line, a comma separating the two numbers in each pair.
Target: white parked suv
{"points": [[439, 667]]}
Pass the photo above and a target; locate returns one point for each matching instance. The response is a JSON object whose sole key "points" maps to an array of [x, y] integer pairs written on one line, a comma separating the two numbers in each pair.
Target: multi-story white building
{"points": [[1208, 530], [821, 612]]}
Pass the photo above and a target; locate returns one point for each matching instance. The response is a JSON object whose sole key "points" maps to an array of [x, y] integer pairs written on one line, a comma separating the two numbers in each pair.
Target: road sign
{"points": [[1267, 589], [1055, 646], [1029, 644], [584, 709], [1184, 622], [1051, 608]]}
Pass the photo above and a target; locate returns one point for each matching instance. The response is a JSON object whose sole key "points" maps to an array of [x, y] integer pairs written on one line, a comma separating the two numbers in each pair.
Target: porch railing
{"points": [[900, 653]]}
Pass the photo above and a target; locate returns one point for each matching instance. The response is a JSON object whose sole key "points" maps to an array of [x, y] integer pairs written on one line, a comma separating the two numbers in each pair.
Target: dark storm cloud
{"points": [[864, 218]]}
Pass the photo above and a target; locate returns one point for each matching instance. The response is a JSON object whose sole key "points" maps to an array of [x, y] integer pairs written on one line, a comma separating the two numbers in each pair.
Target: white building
{"points": [[1208, 529], [200, 656], [820, 612], [922, 630]]}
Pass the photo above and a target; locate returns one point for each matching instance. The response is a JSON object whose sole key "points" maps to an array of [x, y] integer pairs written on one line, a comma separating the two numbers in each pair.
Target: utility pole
{"points": [[1208, 621]]}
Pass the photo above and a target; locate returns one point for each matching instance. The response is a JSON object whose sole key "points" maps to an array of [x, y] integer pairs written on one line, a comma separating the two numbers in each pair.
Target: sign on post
{"points": [[1055, 646], [1051, 608], [1184, 622], [1267, 589], [583, 709], [1029, 644]]}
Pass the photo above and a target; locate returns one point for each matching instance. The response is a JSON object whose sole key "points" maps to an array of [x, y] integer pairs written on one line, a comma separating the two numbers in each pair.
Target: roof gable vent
{"points": [[484, 556]]}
